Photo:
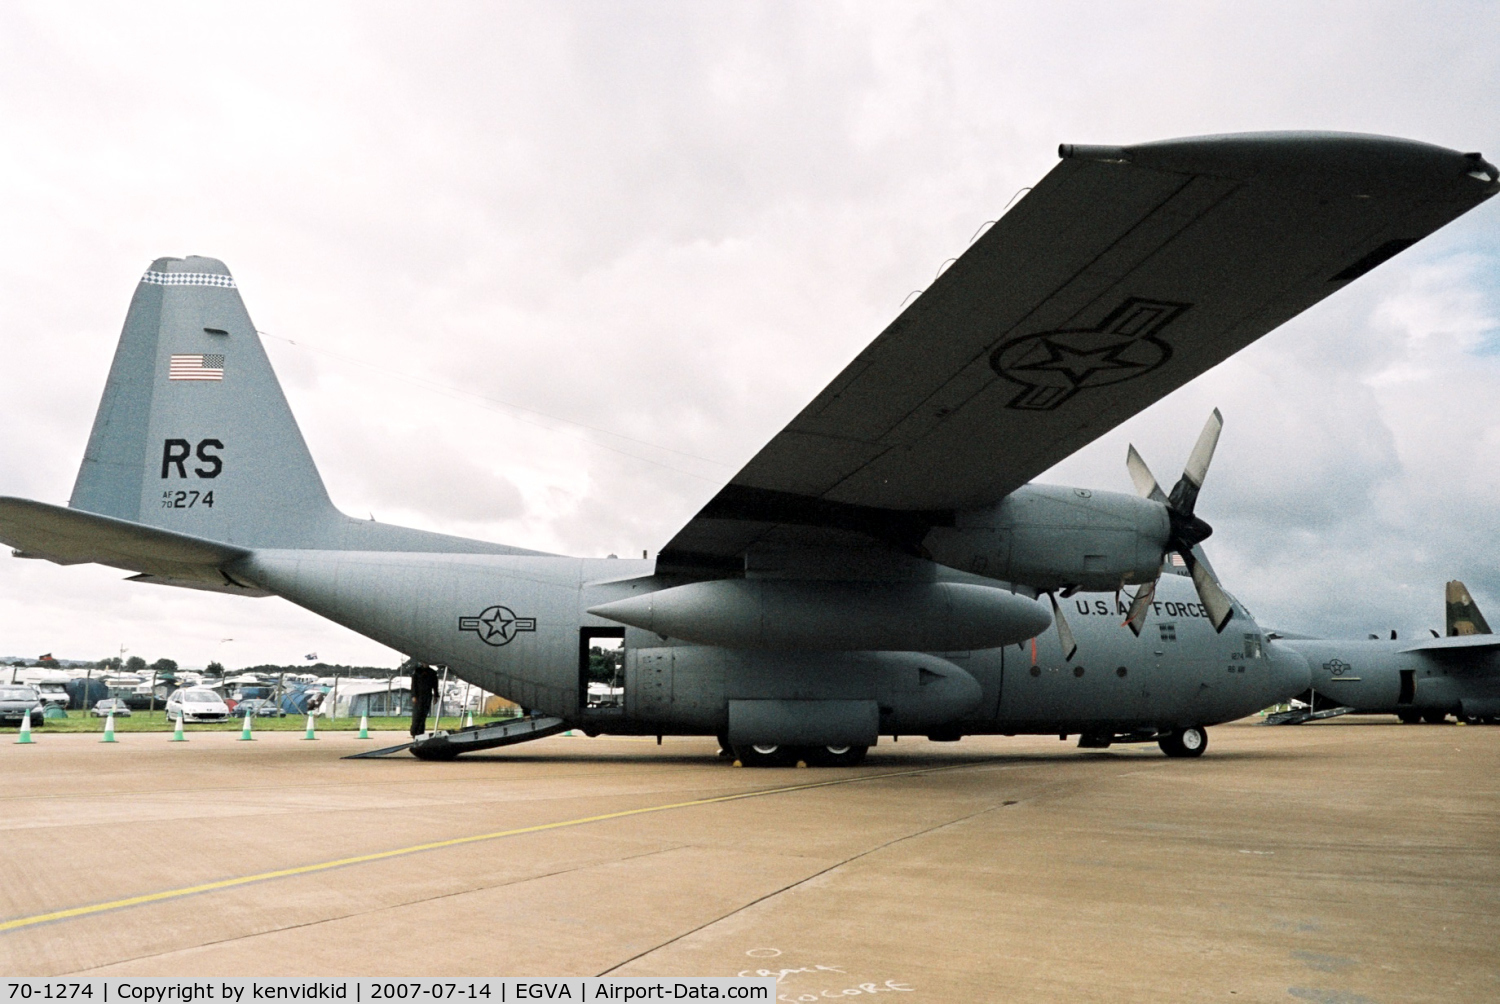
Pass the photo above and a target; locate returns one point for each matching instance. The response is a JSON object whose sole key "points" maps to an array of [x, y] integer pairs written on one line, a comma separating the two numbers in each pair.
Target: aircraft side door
{"points": [[1179, 673], [602, 677]]}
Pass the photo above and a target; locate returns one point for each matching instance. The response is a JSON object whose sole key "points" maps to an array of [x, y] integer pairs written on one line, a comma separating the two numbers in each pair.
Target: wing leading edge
{"points": [[1125, 273]]}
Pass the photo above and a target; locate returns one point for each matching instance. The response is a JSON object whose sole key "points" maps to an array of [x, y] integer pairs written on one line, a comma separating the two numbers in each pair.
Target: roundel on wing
{"points": [[1052, 366]]}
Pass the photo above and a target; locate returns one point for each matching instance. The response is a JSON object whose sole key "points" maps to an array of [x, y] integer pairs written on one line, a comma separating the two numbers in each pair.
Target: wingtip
{"points": [[1103, 154]]}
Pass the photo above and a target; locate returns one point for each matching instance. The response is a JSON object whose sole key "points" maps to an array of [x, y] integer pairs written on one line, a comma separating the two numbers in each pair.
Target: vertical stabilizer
{"points": [[1463, 614], [193, 433]]}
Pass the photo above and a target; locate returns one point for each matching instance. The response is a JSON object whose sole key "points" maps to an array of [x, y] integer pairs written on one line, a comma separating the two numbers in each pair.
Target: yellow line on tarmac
{"points": [[230, 883]]}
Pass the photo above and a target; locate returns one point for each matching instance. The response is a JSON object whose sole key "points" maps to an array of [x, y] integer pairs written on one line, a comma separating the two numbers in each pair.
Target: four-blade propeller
{"points": [[1186, 530]]}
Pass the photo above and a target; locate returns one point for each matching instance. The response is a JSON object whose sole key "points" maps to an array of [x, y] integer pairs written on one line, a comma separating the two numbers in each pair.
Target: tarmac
{"points": [[1344, 862]]}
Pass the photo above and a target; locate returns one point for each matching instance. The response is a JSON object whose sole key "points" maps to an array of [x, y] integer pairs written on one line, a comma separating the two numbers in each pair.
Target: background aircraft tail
{"points": [[1463, 614], [194, 435]]}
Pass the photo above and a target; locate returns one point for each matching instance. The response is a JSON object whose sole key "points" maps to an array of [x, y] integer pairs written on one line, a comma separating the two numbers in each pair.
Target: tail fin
{"points": [[1463, 614], [193, 433], [194, 436]]}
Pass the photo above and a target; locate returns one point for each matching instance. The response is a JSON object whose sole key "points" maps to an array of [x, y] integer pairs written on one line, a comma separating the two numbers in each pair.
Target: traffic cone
{"points": [[311, 731], [25, 736], [177, 736], [245, 735], [109, 729], [364, 726]]}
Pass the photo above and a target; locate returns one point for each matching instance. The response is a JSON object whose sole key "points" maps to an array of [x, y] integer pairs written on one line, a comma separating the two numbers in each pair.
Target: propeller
{"points": [[1064, 632], [1186, 531]]}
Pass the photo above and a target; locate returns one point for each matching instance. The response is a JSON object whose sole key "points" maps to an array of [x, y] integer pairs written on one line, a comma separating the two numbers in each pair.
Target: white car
{"points": [[197, 704], [53, 693]]}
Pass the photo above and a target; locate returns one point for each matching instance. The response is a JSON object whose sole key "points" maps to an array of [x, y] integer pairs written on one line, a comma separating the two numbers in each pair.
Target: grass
{"points": [[156, 721]]}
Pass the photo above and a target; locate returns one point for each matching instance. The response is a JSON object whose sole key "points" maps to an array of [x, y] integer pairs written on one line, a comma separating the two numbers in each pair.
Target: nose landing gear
{"points": [[1191, 741]]}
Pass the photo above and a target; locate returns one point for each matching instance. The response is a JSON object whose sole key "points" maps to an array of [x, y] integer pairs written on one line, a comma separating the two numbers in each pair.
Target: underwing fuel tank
{"points": [[827, 616]]}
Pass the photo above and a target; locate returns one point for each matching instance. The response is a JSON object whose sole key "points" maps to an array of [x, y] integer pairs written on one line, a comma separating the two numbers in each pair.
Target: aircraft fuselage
{"points": [[1376, 676], [519, 626]]}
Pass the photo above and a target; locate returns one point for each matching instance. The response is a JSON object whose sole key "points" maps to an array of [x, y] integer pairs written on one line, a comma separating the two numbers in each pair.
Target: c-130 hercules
{"points": [[874, 570]]}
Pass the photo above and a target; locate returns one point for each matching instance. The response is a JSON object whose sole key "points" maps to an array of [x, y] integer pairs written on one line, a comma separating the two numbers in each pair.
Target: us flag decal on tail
{"points": [[197, 367]]}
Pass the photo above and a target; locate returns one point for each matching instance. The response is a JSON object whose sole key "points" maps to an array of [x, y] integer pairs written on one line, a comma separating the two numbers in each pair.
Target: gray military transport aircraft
{"points": [[879, 567], [1421, 680]]}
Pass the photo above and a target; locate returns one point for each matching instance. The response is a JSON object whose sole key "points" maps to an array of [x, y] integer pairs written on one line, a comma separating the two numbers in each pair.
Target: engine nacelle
{"points": [[818, 615], [1051, 537]]}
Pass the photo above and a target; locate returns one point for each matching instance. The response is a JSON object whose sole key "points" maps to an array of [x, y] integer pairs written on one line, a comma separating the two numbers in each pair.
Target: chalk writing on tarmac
{"points": [[807, 996], [888, 987]]}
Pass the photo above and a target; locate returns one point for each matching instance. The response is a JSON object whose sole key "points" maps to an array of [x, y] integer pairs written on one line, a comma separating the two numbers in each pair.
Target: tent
{"points": [[376, 698]]}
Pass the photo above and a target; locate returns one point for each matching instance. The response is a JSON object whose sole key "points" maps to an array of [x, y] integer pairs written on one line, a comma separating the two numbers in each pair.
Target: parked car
{"points": [[17, 702], [110, 705], [259, 707], [197, 704]]}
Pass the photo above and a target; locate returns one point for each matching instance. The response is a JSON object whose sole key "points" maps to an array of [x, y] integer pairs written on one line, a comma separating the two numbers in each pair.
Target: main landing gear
{"points": [[1191, 741], [770, 755], [1430, 717]]}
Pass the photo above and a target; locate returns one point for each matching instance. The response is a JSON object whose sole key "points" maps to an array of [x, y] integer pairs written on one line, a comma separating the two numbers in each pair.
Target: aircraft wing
{"points": [[1122, 275], [72, 536], [1456, 643]]}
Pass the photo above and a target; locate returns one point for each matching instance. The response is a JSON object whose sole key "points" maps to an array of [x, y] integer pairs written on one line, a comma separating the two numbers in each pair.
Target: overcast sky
{"points": [[548, 274]]}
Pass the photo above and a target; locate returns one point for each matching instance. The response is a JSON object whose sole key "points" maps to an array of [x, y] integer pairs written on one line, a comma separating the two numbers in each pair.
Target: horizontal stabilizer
{"points": [[1457, 643], [72, 537]]}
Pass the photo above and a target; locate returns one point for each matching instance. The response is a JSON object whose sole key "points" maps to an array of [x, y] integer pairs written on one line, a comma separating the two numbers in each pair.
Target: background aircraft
{"points": [[872, 569], [1423, 680]]}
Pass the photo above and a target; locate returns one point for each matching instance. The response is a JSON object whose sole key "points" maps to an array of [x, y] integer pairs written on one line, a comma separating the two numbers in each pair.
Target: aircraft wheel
{"points": [[421, 754], [764, 755], [1191, 741], [834, 756], [1435, 717], [1409, 717]]}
